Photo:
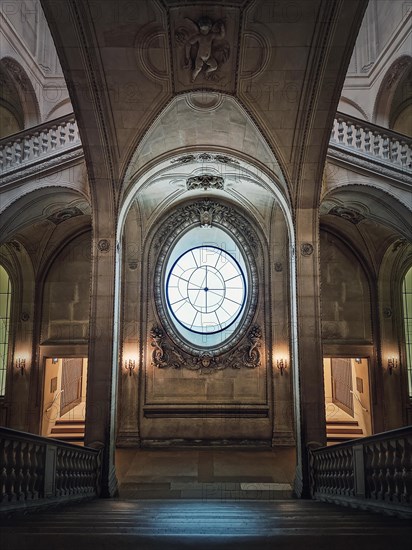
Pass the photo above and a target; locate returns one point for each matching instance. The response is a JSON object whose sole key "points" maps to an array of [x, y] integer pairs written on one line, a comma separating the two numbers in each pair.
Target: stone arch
{"points": [[387, 90], [26, 92]]}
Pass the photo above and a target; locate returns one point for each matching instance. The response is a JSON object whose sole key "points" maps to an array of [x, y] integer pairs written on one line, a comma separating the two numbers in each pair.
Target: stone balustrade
{"points": [[373, 146], [40, 147], [57, 141], [373, 472], [36, 470]]}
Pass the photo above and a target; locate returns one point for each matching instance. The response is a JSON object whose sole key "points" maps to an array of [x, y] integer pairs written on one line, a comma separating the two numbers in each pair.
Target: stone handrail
{"points": [[36, 471], [372, 473], [371, 141], [38, 145]]}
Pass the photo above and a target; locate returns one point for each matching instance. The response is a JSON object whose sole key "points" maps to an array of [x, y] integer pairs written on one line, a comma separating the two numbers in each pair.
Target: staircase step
{"points": [[346, 431], [68, 436], [62, 421], [67, 429], [343, 422]]}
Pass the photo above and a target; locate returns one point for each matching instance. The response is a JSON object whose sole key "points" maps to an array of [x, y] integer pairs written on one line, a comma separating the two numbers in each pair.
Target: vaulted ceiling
{"points": [[282, 63]]}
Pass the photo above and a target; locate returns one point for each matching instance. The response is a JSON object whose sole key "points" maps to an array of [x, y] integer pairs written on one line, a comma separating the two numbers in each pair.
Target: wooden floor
{"points": [[169, 525]]}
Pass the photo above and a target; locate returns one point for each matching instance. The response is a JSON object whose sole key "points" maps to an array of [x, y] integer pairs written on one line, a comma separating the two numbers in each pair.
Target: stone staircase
{"points": [[70, 431], [149, 525], [338, 431]]}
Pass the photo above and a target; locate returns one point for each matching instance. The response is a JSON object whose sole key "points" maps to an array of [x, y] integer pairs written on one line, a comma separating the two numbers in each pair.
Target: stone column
{"points": [[310, 409], [102, 366]]}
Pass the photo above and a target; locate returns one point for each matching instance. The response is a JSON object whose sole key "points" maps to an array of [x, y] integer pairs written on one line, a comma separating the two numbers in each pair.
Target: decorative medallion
{"points": [[387, 312], [205, 181], [278, 267], [164, 355], [306, 249], [347, 214], [25, 316], [103, 245], [64, 214]]}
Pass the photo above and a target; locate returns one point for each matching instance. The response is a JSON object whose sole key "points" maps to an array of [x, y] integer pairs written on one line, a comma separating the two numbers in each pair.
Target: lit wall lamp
{"points": [[21, 365], [130, 365], [281, 365], [392, 364]]}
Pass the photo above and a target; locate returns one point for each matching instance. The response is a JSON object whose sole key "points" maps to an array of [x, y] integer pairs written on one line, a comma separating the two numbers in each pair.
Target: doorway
{"points": [[64, 398], [347, 398]]}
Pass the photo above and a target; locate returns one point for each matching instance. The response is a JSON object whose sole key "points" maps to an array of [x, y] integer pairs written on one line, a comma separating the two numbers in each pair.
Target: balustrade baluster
{"points": [[341, 130], [36, 145], [358, 136], [389, 475], [27, 143], [3, 470], [71, 126], [40, 469], [9, 154], [18, 470], [44, 141], [62, 134], [26, 470], [394, 151], [407, 471], [367, 140], [17, 152], [10, 470], [33, 472], [53, 137], [376, 143], [385, 146], [349, 134]]}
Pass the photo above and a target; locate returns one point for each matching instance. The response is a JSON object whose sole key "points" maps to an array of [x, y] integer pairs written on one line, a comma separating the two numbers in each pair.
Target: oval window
{"points": [[206, 286]]}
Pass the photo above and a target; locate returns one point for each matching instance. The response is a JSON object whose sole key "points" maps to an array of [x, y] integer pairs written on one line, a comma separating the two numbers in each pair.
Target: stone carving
{"points": [[347, 214], [205, 181], [103, 245], [25, 316], [159, 357], [206, 362], [64, 214], [184, 160], [387, 312], [396, 71], [278, 267], [203, 157], [204, 47], [400, 243], [306, 249], [207, 212]]}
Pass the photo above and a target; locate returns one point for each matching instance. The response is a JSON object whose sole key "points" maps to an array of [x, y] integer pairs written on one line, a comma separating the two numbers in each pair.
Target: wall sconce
{"points": [[281, 365], [392, 364], [21, 365], [130, 366]]}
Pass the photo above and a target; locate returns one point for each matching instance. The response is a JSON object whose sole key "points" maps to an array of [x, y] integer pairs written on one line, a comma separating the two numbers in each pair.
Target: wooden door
{"points": [[72, 370], [342, 391]]}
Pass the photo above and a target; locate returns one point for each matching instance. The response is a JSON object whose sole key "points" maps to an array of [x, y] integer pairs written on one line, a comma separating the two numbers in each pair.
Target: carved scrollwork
{"points": [[204, 157], [206, 213], [165, 355], [205, 181]]}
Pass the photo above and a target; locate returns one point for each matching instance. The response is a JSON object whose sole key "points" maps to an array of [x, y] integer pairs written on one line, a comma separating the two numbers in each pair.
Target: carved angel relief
{"points": [[204, 47], [206, 362]]}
